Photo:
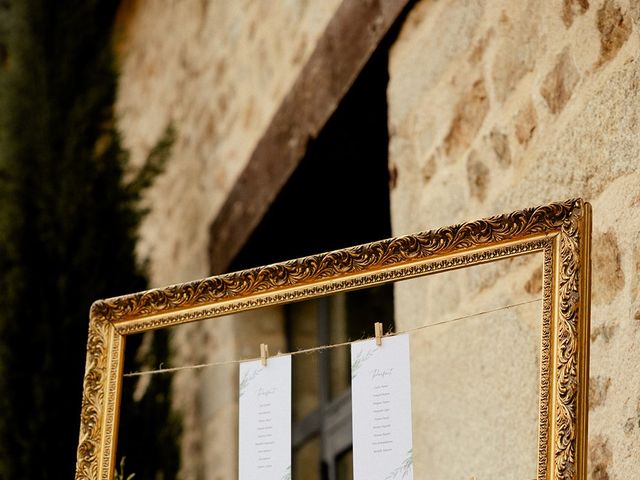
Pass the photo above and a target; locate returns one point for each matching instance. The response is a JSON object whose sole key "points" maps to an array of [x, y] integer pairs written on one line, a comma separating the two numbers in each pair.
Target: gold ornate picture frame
{"points": [[560, 231]]}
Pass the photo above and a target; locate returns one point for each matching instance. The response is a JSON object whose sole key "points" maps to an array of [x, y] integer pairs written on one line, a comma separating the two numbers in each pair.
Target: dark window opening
{"points": [[339, 194]]}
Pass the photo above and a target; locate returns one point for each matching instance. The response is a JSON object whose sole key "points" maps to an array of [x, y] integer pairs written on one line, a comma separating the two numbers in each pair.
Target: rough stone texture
{"points": [[573, 8], [614, 27], [478, 174], [606, 259], [525, 123], [601, 459], [468, 117], [500, 144], [218, 71], [559, 83], [561, 119], [517, 43]]}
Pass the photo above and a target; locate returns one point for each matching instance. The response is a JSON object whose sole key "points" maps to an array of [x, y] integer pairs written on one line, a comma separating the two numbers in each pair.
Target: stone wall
{"points": [[501, 105], [217, 71]]}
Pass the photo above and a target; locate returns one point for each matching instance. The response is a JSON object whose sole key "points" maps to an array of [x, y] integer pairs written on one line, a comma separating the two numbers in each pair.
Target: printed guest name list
{"points": [[265, 420], [381, 409]]}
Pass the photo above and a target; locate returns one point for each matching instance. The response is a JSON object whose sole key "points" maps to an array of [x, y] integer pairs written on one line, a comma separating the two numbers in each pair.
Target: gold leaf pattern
{"points": [[567, 384], [331, 265], [92, 402]]}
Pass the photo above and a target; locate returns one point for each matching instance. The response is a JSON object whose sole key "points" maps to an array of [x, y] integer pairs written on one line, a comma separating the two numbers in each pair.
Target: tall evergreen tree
{"points": [[67, 223]]}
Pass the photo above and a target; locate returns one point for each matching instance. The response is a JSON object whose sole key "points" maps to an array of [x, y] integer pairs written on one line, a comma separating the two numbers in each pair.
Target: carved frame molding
{"points": [[561, 231]]}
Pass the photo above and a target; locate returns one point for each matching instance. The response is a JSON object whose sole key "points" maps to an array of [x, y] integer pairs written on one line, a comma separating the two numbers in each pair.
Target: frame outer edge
{"points": [[584, 332], [570, 393], [95, 458]]}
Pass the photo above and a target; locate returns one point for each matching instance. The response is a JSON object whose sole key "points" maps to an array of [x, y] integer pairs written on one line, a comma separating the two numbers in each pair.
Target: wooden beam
{"points": [[344, 48]]}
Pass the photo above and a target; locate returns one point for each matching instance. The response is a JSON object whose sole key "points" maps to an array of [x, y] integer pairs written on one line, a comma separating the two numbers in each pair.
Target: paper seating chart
{"points": [[381, 409], [265, 420]]}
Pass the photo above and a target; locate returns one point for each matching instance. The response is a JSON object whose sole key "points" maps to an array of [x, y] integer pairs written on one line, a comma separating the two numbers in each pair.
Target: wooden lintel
{"points": [[344, 48]]}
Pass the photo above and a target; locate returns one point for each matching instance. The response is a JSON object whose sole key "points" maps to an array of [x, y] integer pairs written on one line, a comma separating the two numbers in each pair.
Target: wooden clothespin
{"points": [[379, 334], [264, 353]]}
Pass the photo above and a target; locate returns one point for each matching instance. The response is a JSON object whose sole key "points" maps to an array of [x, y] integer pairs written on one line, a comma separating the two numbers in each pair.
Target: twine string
{"points": [[322, 348]]}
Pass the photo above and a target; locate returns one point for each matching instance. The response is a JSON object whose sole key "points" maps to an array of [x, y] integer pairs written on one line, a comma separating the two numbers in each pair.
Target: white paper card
{"points": [[381, 408], [265, 420]]}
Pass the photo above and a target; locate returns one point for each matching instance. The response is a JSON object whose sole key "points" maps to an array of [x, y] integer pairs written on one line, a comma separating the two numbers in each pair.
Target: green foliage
{"points": [[68, 224], [119, 475]]}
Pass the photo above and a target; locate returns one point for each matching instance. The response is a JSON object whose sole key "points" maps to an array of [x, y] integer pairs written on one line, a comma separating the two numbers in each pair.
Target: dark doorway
{"points": [[339, 194]]}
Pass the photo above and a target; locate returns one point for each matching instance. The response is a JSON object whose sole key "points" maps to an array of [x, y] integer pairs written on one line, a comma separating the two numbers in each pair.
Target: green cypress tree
{"points": [[67, 222]]}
